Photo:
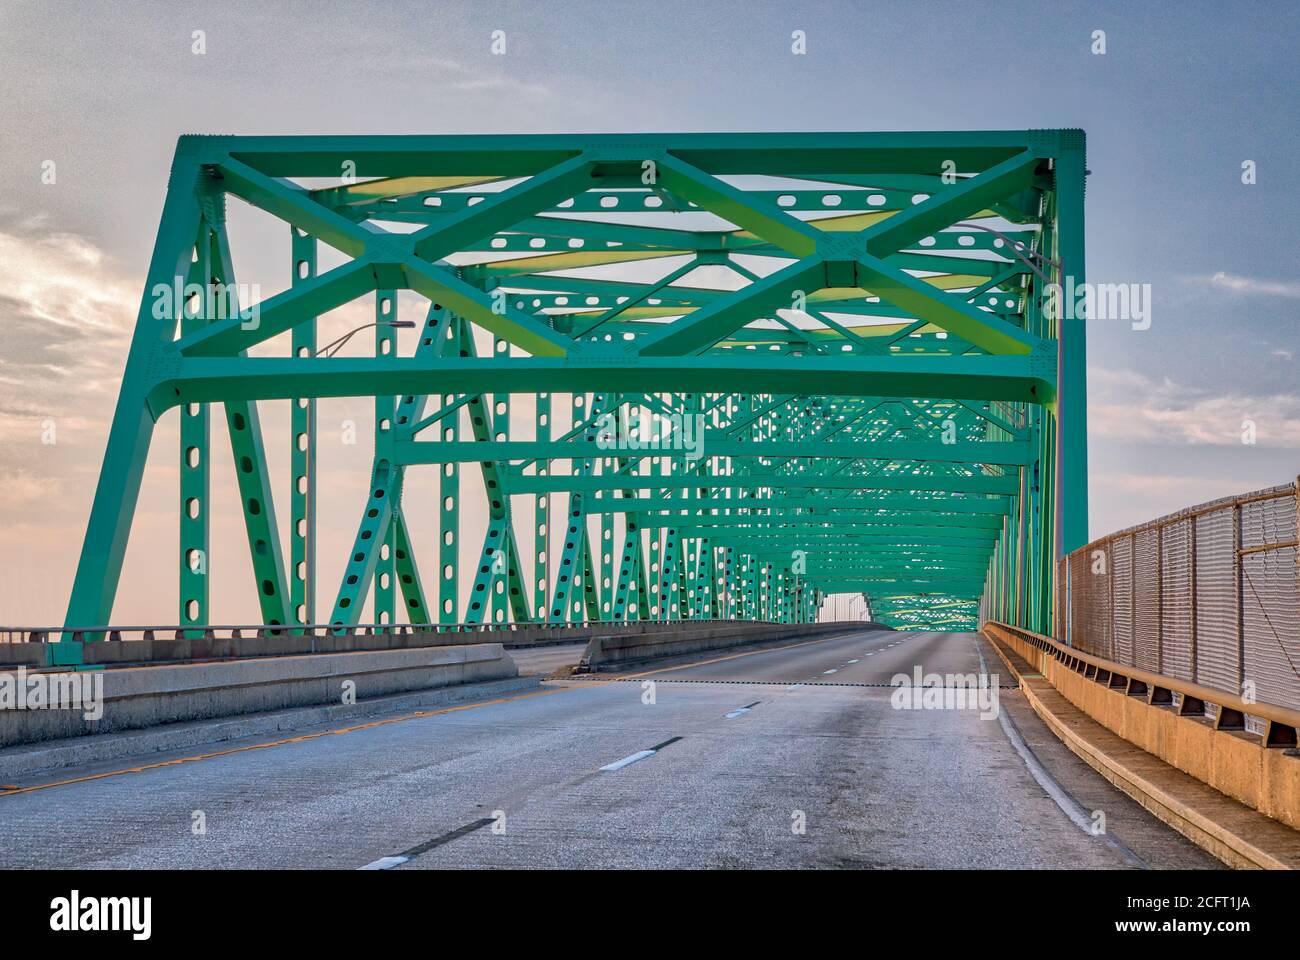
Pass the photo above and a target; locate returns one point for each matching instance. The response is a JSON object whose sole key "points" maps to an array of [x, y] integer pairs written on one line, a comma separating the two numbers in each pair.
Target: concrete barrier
{"points": [[267, 644], [607, 652], [283, 643], [1233, 761], [138, 697]]}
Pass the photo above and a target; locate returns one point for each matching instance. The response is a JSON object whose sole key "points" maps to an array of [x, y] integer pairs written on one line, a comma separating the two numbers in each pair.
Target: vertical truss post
{"points": [[714, 609], [195, 457], [508, 585], [687, 599], [1072, 375], [542, 515], [385, 587], [607, 588], [656, 598], [729, 583], [449, 490], [302, 450]]}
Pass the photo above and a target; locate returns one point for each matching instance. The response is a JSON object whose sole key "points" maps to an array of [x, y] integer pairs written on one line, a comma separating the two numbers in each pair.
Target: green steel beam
{"points": [[196, 380], [1010, 453], [878, 402]]}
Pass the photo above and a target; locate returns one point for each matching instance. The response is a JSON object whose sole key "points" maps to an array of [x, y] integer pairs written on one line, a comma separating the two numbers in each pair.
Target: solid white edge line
{"points": [[1072, 808]]}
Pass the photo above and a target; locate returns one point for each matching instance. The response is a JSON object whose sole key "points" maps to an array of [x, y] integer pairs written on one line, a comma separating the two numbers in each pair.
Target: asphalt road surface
{"points": [[785, 757]]}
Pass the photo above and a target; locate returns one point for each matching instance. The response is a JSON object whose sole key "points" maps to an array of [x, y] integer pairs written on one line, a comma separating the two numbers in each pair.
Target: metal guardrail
{"points": [[240, 631], [1207, 597], [1281, 726]]}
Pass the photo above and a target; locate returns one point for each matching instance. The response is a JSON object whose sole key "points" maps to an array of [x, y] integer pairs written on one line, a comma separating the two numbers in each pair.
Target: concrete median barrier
{"points": [[134, 698], [140, 646], [612, 651]]}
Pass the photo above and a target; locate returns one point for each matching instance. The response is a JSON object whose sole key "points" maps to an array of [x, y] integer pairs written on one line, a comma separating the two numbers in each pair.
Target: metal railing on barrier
{"points": [[240, 631], [1280, 726], [1208, 596]]}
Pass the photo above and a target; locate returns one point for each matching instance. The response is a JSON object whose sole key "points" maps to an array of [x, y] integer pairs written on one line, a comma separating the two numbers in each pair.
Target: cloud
{"points": [[63, 280], [67, 312], [1189, 489], [453, 75], [1253, 286], [1119, 500], [1129, 406], [23, 489]]}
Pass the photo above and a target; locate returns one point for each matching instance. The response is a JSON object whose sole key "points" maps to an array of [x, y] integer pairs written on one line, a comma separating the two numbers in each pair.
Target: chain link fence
{"points": [[1210, 595]]}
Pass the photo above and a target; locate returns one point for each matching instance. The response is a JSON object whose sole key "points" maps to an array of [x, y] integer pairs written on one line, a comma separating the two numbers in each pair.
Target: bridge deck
{"points": [[879, 787]]}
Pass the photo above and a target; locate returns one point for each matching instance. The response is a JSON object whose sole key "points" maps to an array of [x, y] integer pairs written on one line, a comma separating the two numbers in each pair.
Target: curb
{"points": [[1172, 806]]}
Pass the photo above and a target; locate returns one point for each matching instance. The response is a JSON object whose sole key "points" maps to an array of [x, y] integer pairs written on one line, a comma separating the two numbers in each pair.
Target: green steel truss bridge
{"points": [[747, 371]]}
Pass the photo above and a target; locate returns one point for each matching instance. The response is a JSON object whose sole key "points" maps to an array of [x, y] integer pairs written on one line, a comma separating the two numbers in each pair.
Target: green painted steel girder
{"points": [[877, 400], [981, 484], [203, 379], [1007, 453], [989, 509]]}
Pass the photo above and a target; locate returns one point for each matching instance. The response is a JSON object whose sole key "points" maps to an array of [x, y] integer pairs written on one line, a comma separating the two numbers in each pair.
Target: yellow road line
{"points": [[418, 715]]}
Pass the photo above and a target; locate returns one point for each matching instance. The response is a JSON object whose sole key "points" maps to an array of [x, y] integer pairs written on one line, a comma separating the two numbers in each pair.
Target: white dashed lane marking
{"points": [[638, 756]]}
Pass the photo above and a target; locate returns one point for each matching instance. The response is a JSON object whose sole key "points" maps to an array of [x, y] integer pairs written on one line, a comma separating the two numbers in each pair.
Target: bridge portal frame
{"points": [[901, 358]]}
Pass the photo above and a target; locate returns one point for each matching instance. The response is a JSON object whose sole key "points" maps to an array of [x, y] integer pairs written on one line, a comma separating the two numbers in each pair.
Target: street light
{"points": [[334, 346], [329, 350]]}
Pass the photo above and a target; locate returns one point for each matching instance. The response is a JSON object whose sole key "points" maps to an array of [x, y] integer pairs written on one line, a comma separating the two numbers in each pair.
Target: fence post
{"points": [[1160, 602], [1191, 592], [1111, 642], [1132, 592], [1241, 600]]}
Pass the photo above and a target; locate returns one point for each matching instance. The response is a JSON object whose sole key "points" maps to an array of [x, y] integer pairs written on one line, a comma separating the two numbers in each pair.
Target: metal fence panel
{"points": [[1121, 612], [1210, 595], [1270, 605], [1176, 600], [1146, 599], [1216, 600], [1094, 574], [1081, 598]]}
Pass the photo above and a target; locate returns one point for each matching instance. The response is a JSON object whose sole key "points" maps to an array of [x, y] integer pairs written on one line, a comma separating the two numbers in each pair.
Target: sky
{"points": [[1182, 97]]}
